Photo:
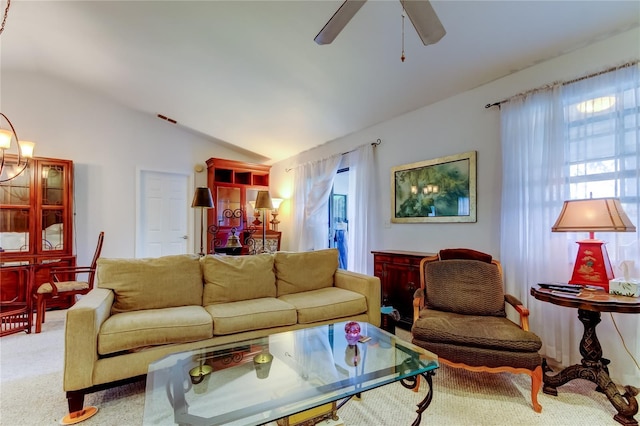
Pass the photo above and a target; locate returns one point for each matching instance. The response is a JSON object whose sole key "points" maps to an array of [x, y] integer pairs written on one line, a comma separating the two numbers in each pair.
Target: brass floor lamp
{"points": [[202, 200], [264, 203]]}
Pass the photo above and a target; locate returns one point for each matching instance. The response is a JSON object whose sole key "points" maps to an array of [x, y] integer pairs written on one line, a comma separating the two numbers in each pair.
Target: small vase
{"points": [[352, 332]]}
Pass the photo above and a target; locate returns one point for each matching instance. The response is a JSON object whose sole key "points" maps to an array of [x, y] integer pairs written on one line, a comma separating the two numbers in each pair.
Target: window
{"points": [[338, 222], [603, 146]]}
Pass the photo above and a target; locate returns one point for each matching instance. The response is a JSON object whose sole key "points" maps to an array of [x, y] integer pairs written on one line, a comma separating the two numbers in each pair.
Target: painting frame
{"points": [[440, 190]]}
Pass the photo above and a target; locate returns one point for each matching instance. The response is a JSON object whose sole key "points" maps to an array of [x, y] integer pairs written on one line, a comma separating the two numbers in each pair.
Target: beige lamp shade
{"points": [[591, 215], [277, 202], [202, 198], [263, 201], [26, 148], [5, 138]]}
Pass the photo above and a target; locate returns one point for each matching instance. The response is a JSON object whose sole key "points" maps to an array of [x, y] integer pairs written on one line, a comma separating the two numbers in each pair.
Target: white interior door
{"points": [[163, 219]]}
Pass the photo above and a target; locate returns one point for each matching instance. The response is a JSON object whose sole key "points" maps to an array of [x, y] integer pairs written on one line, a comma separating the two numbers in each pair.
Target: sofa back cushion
{"points": [[162, 282], [235, 278], [304, 271]]}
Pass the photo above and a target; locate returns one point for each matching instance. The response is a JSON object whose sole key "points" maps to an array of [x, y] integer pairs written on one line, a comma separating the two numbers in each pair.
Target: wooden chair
{"points": [[459, 314], [57, 287]]}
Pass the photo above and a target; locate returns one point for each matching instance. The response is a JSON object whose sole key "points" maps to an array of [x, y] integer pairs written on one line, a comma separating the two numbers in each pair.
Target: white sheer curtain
{"points": [[362, 209], [550, 155], [311, 189]]}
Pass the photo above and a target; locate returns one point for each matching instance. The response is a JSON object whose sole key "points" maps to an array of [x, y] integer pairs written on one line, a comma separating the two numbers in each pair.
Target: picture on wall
{"points": [[438, 190]]}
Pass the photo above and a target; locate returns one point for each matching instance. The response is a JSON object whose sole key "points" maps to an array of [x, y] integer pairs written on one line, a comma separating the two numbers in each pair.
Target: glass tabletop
{"points": [[261, 380]]}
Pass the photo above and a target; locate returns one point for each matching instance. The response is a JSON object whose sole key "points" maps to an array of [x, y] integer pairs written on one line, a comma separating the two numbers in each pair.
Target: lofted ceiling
{"points": [[248, 73]]}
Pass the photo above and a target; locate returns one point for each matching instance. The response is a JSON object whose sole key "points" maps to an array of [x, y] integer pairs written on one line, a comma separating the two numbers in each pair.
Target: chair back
{"points": [[94, 262], [463, 285]]}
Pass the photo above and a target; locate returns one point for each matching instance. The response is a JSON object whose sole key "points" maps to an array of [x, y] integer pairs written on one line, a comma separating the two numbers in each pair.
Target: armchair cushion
{"points": [[468, 287], [235, 278], [305, 271], [482, 357], [63, 286], [494, 333], [153, 283]]}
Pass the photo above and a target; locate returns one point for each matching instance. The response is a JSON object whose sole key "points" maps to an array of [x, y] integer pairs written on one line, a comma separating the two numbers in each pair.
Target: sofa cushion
{"points": [[326, 304], [153, 283], [254, 314], [139, 329], [234, 278], [304, 271]]}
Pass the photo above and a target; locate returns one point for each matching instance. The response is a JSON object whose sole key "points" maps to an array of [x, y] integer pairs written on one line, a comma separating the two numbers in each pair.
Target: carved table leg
{"points": [[412, 382], [594, 368]]}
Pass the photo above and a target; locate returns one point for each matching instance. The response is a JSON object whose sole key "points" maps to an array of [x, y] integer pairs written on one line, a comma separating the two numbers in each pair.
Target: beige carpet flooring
{"points": [[31, 394]]}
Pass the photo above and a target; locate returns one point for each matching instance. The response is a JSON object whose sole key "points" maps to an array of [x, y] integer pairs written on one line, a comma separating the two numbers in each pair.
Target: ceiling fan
{"points": [[421, 13]]}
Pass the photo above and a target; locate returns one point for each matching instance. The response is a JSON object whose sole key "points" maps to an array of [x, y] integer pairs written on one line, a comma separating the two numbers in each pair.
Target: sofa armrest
{"points": [[83, 323], [367, 285]]}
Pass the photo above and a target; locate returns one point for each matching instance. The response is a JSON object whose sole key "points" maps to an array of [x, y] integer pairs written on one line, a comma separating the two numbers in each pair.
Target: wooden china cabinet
{"points": [[233, 184], [36, 228], [399, 273]]}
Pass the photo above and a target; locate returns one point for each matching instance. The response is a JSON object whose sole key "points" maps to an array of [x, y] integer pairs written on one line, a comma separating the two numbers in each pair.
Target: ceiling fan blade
{"points": [[425, 20], [338, 21]]}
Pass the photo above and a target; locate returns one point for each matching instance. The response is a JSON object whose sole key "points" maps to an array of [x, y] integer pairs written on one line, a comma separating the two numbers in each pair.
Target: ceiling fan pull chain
{"points": [[403, 12]]}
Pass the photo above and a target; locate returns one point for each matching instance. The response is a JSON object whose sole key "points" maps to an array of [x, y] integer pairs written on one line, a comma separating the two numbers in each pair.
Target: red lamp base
{"points": [[592, 265]]}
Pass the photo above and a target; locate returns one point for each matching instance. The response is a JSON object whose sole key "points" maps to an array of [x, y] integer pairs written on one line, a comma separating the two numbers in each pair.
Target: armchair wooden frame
{"points": [[535, 374], [58, 286]]}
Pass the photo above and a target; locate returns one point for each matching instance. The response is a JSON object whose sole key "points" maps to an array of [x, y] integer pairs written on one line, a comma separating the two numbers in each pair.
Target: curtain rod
{"points": [[373, 144], [564, 83]]}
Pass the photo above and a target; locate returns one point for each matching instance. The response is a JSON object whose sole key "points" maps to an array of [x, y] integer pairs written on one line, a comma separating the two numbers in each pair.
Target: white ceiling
{"points": [[248, 73]]}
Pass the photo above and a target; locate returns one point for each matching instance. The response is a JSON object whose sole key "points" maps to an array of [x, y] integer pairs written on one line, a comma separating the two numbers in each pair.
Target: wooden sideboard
{"points": [[399, 273]]}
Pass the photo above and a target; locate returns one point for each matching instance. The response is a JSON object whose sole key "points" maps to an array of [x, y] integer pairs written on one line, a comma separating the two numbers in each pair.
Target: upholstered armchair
{"points": [[459, 314]]}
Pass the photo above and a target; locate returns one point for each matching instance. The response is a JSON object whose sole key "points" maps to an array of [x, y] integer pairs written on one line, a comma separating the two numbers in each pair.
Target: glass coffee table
{"points": [[286, 374]]}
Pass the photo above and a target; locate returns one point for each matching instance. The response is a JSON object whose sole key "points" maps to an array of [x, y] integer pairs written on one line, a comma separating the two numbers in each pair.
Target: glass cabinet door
{"points": [[52, 192], [228, 200], [15, 199]]}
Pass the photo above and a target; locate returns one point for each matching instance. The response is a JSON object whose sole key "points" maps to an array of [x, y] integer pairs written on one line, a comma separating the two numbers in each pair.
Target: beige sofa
{"points": [[144, 309]]}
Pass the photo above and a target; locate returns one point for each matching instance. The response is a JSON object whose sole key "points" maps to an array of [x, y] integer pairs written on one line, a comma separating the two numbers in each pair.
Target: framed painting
{"points": [[438, 190]]}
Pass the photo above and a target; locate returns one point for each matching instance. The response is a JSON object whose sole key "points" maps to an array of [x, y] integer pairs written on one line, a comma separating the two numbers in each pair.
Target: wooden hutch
{"points": [[233, 184], [36, 228]]}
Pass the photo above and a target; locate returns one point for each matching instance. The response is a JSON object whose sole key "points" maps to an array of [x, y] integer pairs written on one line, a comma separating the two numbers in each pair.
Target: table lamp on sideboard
{"points": [[592, 265]]}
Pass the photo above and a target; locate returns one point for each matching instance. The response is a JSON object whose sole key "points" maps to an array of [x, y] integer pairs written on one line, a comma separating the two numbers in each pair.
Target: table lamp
{"points": [[592, 265], [274, 213]]}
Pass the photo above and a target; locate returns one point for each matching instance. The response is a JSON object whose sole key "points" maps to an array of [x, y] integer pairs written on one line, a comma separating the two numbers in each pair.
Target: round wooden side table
{"points": [[593, 366]]}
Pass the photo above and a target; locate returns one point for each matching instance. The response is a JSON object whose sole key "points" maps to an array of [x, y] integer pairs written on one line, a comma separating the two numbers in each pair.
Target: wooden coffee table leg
{"points": [[594, 368]]}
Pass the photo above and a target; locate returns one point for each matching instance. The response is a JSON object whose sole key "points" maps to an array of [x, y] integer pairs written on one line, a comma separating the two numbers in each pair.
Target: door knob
{"points": [[185, 237]]}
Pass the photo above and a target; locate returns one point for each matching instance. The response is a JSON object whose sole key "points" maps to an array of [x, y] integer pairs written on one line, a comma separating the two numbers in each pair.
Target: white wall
{"points": [[108, 144], [456, 125], [459, 124]]}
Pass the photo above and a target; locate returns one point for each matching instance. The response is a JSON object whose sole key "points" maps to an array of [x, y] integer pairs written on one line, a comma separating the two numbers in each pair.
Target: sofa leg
{"points": [[77, 413]]}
